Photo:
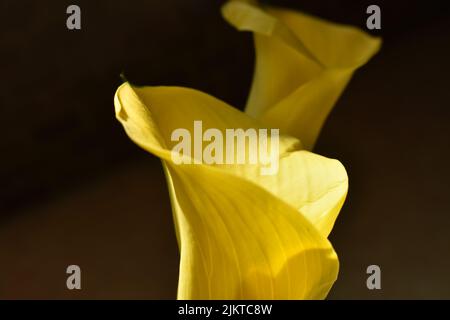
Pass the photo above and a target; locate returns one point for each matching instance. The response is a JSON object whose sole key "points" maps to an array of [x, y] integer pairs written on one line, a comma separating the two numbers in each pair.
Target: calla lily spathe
{"points": [[303, 64], [243, 235]]}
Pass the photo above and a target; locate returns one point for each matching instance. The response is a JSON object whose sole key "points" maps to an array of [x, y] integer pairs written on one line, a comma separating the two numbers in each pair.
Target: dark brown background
{"points": [[75, 190]]}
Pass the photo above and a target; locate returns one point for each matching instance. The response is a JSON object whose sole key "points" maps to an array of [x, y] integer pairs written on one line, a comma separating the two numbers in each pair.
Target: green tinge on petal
{"points": [[240, 235], [303, 64]]}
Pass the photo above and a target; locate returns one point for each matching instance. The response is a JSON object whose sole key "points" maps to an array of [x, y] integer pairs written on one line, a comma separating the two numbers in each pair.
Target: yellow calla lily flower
{"points": [[302, 65], [243, 235]]}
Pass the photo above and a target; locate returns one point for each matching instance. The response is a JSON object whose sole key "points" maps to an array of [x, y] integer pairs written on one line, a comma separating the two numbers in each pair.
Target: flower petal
{"points": [[151, 114], [303, 64], [241, 242], [315, 185], [240, 236]]}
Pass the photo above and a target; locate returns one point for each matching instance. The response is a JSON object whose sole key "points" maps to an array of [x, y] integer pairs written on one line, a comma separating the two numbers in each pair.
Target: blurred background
{"points": [[75, 190]]}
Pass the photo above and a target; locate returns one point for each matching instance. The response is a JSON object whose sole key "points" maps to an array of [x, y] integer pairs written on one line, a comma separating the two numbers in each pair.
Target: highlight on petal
{"points": [[240, 242], [303, 64], [315, 185], [311, 183], [241, 235], [151, 114]]}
